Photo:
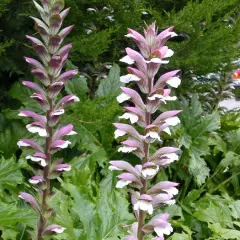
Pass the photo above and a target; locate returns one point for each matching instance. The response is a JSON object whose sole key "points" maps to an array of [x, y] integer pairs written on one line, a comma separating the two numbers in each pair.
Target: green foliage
{"points": [[195, 131], [111, 85], [11, 131]]}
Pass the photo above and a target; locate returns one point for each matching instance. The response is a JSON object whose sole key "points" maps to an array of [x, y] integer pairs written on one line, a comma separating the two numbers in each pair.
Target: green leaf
{"points": [[231, 159], [235, 207], [10, 133], [214, 214], [62, 204], [111, 85], [77, 85], [23, 93], [101, 216], [174, 211], [179, 236], [9, 233], [224, 233], [10, 172], [10, 214], [198, 168]]}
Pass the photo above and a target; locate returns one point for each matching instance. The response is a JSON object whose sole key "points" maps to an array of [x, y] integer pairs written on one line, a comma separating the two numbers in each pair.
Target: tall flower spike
{"points": [[147, 61], [47, 71]]}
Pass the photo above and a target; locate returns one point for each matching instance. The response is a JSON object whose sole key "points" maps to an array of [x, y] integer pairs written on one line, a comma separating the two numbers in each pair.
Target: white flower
{"points": [[149, 172], [157, 60], [112, 168], [126, 149], [152, 135], [144, 206], [58, 229], [64, 144], [57, 112], [72, 133], [162, 98], [119, 133], [91, 10], [174, 82], [127, 60], [171, 190], [163, 230], [167, 130], [172, 121], [35, 181], [132, 117], [37, 129], [129, 78], [169, 53], [23, 144], [123, 97], [171, 157], [122, 183], [38, 159], [74, 98]]}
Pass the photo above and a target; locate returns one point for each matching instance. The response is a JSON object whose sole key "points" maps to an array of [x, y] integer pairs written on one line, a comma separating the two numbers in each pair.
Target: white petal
{"points": [[172, 121], [22, 144], [35, 129], [127, 60], [170, 202], [129, 35], [132, 117], [119, 133], [122, 183], [154, 96], [167, 130], [123, 97], [72, 133], [129, 78], [169, 98], [126, 149], [64, 145], [163, 230], [22, 114], [58, 112], [171, 156], [91, 10], [38, 159], [58, 230], [173, 34], [171, 190], [174, 82], [169, 53], [66, 169], [153, 135], [112, 168], [32, 181], [144, 206], [157, 60], [149, 172], [74, 98]]}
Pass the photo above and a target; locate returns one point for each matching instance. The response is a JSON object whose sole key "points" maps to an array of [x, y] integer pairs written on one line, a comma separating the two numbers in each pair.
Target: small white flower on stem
{"points": [[149, 170], [172, 121], [132, 117], [144, 203], [123, 97]]}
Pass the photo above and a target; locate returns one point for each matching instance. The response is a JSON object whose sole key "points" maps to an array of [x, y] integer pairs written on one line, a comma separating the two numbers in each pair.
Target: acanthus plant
{"points": [[153, 53], [45, 123]]}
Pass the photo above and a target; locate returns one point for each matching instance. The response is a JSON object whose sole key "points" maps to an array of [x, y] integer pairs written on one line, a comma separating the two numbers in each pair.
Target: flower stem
{"points": [[46, 191], [142, 214]]}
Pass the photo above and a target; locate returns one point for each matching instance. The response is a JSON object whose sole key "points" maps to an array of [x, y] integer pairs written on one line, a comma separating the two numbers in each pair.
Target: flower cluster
{"points": [[45, 123], [153, 53]]}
